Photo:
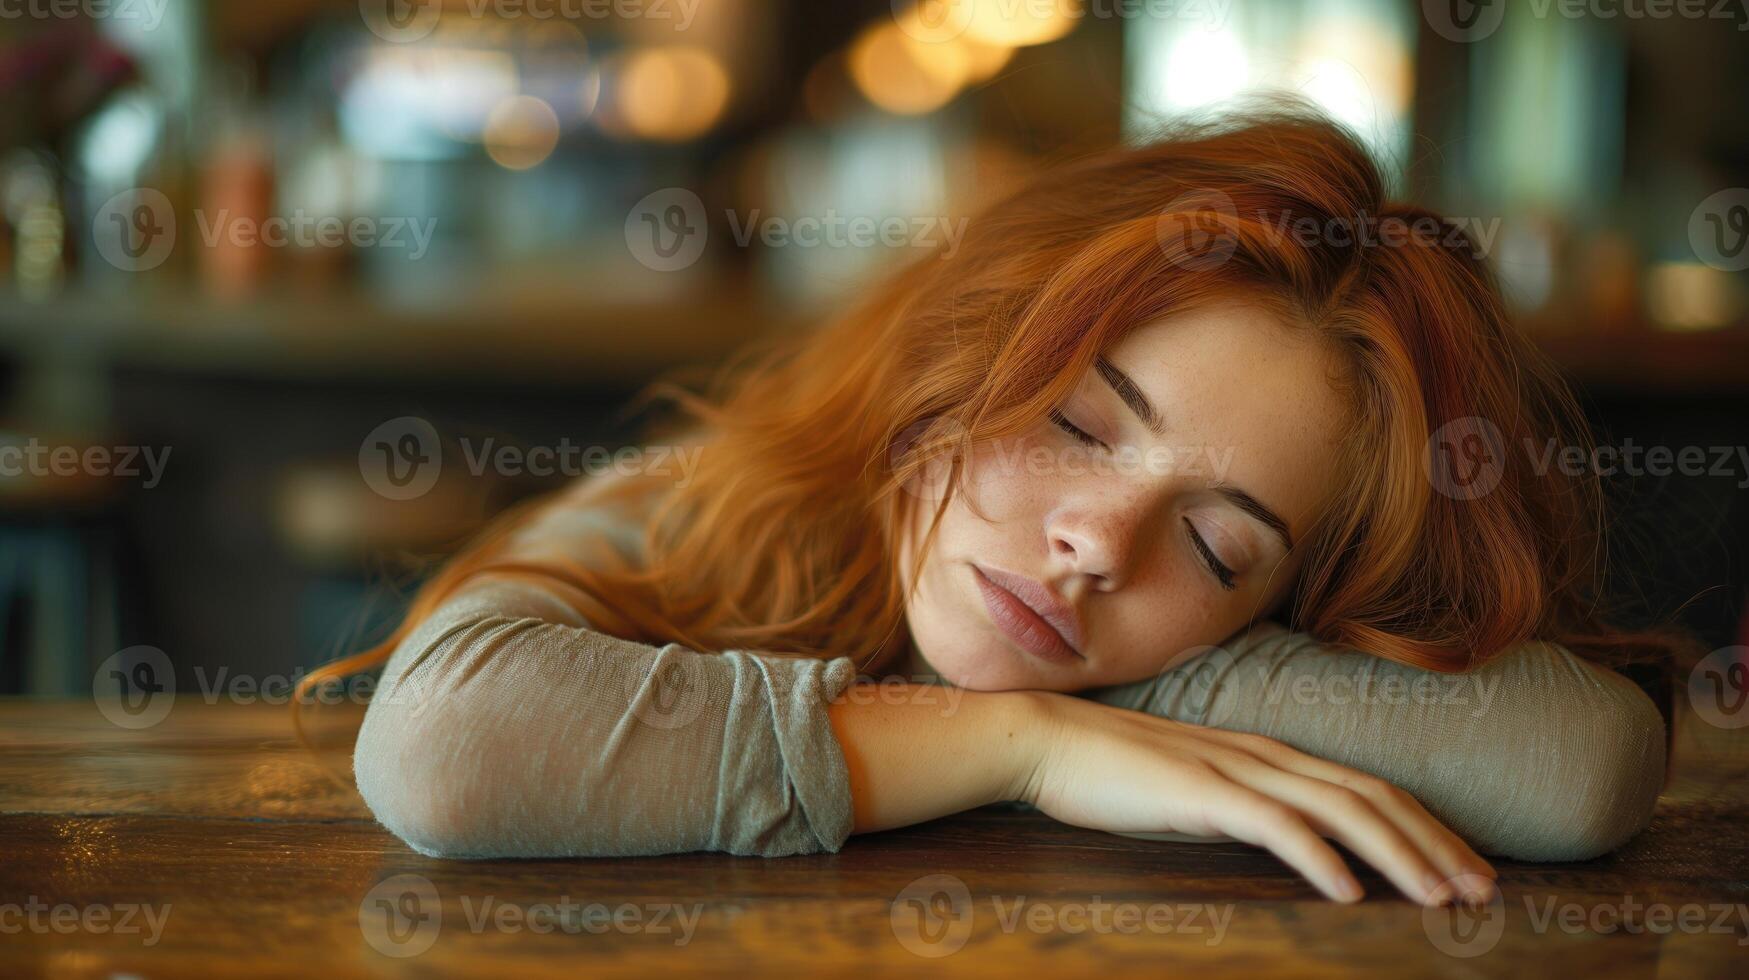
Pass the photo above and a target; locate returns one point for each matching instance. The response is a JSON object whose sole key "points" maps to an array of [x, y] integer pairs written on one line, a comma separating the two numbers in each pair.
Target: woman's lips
{"points": [[1022, 623]]}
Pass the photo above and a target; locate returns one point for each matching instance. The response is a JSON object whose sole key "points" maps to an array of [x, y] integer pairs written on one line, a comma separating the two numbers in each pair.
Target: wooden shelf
{"points": [[348, 337], [1651, 360]]}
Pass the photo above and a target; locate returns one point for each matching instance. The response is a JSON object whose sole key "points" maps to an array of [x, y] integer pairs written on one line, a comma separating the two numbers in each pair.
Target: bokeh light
{"points": [[902, 75], [521, 132], [670, 93]]}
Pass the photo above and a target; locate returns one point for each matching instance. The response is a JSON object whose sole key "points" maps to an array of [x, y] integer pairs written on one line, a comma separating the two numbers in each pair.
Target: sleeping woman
{"points": [[1187, 498]]}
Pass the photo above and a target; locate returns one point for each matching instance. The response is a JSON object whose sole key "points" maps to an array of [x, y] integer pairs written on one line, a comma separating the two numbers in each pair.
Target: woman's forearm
{"points": [[1541, 755], [913, 754], [920, 751]]}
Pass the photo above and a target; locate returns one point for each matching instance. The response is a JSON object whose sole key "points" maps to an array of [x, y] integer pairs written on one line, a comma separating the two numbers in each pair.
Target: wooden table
{"points": [[249, 857]]}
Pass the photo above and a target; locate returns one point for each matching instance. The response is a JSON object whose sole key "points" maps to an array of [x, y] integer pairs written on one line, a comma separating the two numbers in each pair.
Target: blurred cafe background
{"points": [[242, 241]]}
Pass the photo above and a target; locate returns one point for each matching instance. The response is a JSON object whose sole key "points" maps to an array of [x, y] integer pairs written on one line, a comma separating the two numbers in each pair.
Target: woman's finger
{"points": [[1246, 815], [1451, 854], [1341, 813]]}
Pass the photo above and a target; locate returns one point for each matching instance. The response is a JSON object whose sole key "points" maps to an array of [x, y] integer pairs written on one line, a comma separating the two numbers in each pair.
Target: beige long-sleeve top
{"points": [[505, 725]]}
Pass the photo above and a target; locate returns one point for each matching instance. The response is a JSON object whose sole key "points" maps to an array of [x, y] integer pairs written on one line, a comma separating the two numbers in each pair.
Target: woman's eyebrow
{"points": [[1132, 396], [1251, 505]]}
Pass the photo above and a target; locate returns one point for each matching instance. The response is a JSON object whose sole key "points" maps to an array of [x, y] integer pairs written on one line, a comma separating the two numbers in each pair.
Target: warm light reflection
{"points": [[670, 93], [1692, 296], [521, 132], [983, 61], [1014, 24], [905, 76]]}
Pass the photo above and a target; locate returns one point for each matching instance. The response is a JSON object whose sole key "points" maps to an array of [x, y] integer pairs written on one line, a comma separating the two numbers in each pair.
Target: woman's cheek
{"points": [[1173, 627]]}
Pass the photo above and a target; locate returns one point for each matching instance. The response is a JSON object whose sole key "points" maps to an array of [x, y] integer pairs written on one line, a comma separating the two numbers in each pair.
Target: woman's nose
{"points": [[1094, 547]]}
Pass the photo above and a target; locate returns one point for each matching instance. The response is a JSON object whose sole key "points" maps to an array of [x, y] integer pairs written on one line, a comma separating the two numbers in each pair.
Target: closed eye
{"points": [[1218, 568], [1075, 432]]}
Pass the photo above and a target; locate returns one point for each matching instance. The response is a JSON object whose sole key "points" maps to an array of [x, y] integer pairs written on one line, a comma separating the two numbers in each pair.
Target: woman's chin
{"points": [[994, 671]]}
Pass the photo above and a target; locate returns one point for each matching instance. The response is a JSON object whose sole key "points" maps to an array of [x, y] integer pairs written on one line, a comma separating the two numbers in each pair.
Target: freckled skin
{"points": [[1247, 402]]}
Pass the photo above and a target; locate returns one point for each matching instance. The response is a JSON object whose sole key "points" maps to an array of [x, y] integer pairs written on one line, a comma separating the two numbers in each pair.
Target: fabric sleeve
{"points": [[1537, 755], [505, 726]]}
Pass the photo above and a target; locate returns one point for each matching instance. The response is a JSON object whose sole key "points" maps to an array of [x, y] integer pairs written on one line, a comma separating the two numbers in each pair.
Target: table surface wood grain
{"points": [[253, 854]]}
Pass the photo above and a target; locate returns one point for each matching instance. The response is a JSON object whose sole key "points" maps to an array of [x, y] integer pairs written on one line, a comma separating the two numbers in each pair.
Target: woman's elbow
{"points": [[1595, 765], [416, 799]]}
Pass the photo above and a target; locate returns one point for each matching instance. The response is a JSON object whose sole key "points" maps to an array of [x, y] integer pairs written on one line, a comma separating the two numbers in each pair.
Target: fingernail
{"points": [[1433, 886], [1347, 889]]}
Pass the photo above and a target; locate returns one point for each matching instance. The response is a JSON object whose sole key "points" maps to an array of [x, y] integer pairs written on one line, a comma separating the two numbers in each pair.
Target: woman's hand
{"points": [[1126, 772]]}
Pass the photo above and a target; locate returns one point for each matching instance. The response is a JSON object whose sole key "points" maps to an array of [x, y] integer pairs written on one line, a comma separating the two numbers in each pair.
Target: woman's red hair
{"points": [[785, 539]]}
